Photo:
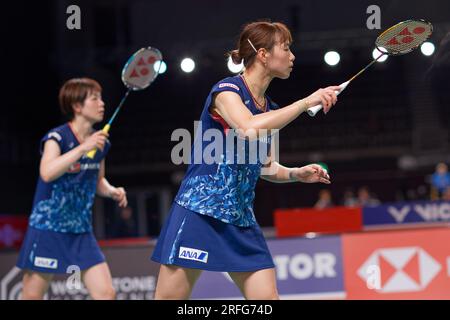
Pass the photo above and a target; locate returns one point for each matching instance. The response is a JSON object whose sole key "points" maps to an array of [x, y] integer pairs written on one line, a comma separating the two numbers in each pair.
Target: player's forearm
{"points": [[277, 119], [55, 168], [104, 189], [279, 174]]}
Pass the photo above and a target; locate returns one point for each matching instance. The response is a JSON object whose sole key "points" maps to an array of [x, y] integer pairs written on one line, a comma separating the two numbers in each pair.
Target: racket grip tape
{"points": [[313, 110], [91, 154]]}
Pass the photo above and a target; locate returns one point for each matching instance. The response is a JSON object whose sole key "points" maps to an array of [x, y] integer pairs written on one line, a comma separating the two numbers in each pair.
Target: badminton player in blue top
{"points": [[60, 238], [211, 225]]}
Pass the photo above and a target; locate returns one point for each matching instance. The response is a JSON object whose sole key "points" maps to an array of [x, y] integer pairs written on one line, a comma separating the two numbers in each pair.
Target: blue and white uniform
{"points": [[211, 224], [60, 226]]}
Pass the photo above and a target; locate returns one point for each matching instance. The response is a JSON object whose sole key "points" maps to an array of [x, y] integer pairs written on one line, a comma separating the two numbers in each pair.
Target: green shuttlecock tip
{"points": [[323, 165]]}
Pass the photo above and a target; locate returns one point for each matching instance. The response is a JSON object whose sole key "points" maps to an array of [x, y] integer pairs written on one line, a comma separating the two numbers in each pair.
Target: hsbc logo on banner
{"points": [[407, 264], [403, 269]]}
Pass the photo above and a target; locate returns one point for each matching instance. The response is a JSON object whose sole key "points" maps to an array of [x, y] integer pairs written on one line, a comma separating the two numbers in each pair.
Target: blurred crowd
{"points": [[363, 197], [439, 189]]}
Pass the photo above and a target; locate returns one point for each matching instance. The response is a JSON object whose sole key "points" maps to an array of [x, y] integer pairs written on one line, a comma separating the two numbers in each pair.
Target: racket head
{"points": [[140, 71], [404, 37]]}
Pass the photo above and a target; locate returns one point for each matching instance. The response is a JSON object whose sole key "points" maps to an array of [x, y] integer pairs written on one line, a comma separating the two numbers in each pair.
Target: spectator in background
{"points": [[349, 199], [422, 192], [446, 194], [325, 200], [440, 181], [126, 225], [411, 194], [366, 198]]}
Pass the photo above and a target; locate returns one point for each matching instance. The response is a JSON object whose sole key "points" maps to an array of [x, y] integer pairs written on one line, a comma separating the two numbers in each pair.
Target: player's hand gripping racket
{"points": [[400, 39], [139, 72]]}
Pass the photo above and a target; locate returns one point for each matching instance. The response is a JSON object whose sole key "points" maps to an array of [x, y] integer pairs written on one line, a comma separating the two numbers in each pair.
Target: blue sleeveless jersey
{"points": [[224, 189], [65, 204]]}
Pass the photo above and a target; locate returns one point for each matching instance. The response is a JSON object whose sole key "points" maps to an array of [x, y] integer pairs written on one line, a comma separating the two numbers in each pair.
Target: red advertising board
{"points": [[397, 264], [294, 222], [12, 230]]}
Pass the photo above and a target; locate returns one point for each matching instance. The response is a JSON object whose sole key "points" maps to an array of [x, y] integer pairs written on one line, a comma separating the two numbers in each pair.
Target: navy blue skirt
{"points": [[192, 240], [54, 252]]}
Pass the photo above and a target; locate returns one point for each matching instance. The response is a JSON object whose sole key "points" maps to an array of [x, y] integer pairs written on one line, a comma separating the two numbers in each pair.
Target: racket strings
{"points": [[140, 69], [404, 37]]}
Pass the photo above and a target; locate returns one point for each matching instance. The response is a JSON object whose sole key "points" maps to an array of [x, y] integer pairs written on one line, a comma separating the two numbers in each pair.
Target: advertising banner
{"points": [[397, 264], [417, 212], [297, 222], [134, 276], [12, 230], [305, 269]]}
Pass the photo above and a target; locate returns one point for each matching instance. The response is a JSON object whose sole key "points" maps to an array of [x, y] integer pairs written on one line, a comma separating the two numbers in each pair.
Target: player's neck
{"points": [[81, 127], [258, 81]]}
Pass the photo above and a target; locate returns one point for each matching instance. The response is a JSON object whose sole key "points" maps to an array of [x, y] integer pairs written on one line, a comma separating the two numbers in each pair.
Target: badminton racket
{"points": [[138, 73], [399, 39]]}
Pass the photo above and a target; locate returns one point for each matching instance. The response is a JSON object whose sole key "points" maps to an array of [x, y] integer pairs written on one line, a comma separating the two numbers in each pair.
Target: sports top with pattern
{"points": [[224, 188], [65, 204]]}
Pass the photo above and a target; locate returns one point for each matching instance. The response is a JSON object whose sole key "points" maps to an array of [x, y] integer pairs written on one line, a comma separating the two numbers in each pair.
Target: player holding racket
{"points": [[211, 225], [60, 227]]}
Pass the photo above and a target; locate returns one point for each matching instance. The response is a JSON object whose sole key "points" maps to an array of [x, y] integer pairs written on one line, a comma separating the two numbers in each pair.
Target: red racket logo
{"points": [[406, 36], [141, 68]]}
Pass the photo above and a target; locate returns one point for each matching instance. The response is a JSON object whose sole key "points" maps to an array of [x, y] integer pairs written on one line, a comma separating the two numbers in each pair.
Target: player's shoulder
{"points": [[58, 132], [229, 82]]}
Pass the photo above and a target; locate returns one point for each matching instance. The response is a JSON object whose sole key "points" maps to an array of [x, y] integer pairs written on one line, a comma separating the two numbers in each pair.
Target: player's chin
{"points": [[285, 75], [95, 120], [99, 118]]}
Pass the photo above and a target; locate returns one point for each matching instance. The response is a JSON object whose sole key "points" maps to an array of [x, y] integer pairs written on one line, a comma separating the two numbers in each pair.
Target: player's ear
{"points": [[77, 107], [263, 54]]}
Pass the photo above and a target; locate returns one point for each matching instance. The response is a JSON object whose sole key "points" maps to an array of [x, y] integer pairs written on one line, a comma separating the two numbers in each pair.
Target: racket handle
{"points": [[91, 154], [313, 110]]}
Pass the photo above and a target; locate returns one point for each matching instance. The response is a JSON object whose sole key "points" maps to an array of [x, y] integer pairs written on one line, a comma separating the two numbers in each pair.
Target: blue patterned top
{"points": [[224, 189], [65, 204]]}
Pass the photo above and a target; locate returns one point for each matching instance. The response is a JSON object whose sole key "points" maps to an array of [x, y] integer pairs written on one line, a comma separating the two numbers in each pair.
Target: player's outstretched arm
{"points": [[230, 107]]}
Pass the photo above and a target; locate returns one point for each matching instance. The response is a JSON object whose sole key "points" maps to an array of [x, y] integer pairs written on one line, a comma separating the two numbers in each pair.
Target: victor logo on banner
{"points": [[407, 212], [428, 212]]}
